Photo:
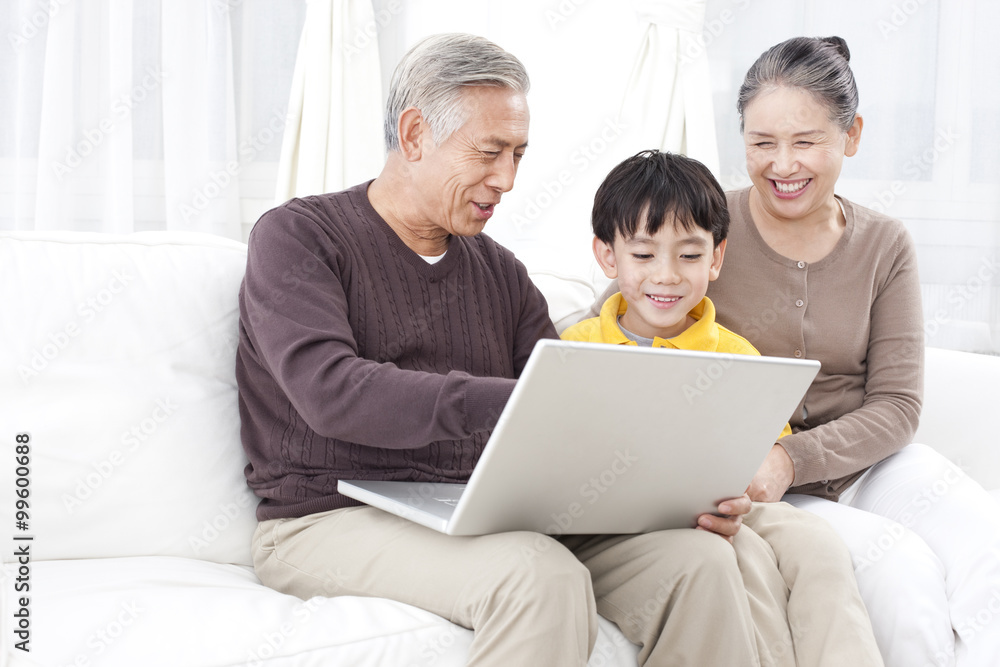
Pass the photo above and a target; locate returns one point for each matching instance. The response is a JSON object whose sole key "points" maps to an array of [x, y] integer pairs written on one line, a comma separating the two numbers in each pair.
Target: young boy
{"points": [[660, 223]]}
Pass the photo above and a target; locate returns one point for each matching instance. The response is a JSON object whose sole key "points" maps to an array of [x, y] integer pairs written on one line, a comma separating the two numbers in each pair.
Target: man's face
{"points": [[462, 180]]}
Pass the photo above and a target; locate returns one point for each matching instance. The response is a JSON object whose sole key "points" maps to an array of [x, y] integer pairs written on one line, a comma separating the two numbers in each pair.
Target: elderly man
{"points": [[381, 335]]}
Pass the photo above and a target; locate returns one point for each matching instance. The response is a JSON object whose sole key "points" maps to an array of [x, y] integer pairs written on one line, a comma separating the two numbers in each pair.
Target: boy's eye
{"points": [[639, 255], [692, 257]]}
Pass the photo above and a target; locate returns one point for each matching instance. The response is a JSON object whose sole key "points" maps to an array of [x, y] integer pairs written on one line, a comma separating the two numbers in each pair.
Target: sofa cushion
{"points": [[178, 611], [121, 369]]}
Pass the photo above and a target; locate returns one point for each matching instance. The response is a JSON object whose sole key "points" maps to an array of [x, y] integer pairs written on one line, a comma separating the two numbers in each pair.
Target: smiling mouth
{"points": [[663, 299], [484, 207], [790, 187]]}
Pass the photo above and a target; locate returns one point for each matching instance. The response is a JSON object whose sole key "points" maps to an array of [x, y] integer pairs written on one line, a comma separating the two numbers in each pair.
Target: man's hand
{"points": [[729, 523], [773, 477]]}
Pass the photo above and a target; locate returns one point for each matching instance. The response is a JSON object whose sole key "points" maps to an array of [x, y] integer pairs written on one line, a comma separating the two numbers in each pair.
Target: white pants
{"points": [[925, 539]]}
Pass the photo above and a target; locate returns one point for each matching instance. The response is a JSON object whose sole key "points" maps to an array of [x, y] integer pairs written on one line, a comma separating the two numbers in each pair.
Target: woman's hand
{"points": [[729, 523], [773, 477]]}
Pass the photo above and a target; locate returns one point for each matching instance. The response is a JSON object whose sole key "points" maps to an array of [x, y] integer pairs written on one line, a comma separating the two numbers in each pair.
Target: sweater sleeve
{"points": [[296, 316], [888, 416]]}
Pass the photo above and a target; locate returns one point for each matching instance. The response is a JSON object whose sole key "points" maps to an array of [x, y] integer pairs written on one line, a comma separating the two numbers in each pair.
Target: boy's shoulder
{"points": [[584, 331], [731, 342]]}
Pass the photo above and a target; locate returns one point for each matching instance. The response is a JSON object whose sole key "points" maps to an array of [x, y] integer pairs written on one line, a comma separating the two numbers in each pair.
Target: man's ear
{"points": [[854, 136], [605, 256], [413, 132], [717, 256]]}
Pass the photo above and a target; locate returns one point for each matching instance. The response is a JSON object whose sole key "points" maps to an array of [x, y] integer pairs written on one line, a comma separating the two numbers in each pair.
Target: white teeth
{"points": [[664, 299], [791, 187]]}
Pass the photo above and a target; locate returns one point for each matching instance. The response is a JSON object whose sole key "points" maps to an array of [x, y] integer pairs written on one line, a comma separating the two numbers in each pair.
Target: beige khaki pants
{"points": [[827, 617], [686, 597]]}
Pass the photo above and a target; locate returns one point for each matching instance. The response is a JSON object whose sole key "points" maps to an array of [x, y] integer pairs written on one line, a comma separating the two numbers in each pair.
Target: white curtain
{"points": [[669, 95], [126, 115], [334, 137]]}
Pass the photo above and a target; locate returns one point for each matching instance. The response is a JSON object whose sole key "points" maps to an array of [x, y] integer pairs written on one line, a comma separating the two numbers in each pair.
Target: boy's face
{"points": [[661, 276]]}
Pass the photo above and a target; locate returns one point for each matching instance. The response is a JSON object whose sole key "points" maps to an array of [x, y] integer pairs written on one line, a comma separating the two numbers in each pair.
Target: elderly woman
{"points": [[809, 274]]}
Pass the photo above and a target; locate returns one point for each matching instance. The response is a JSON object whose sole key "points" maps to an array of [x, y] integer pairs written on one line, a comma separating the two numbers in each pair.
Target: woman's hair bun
{"points": [[839, 44]]}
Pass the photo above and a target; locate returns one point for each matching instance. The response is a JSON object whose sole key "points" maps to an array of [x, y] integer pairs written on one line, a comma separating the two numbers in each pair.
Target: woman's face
{"points": [[794, 151]]}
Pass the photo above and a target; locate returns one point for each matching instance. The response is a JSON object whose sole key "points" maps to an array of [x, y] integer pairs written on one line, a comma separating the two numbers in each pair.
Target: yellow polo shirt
{"points": [[705, 335]]}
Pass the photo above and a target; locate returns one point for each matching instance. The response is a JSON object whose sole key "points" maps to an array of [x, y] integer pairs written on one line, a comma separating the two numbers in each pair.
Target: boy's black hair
{"points": [[662, 186]]}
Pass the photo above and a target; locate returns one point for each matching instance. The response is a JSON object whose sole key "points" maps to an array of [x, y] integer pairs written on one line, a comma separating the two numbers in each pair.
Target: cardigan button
{"points": [[800, 303], [798, 353], [801, 265]]}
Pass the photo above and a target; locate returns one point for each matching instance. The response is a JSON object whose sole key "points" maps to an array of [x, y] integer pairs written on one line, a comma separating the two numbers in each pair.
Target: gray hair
{"points": [[433, 75], [818, 65]]}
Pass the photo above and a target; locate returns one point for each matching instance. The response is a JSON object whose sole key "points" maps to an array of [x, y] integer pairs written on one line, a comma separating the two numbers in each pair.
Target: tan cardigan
{"points": [[858, 312]]}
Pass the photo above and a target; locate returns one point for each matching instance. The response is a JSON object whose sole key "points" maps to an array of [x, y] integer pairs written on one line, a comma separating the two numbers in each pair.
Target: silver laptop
{"points": [[612, 439]]}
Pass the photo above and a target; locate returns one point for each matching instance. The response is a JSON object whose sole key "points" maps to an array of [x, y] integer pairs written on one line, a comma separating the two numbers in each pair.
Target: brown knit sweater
{"points": [[358, 359]]}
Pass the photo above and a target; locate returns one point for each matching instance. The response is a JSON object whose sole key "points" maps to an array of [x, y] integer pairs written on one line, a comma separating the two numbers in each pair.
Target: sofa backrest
{"points": [[120, 367]]}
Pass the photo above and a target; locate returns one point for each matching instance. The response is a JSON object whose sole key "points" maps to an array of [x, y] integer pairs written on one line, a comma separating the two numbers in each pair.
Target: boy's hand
{"points": [[773, 477], [729, 523]]}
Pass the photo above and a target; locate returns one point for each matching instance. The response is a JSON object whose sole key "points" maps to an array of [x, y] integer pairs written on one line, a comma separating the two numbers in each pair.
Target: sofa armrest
{"points": [[961, 402]]}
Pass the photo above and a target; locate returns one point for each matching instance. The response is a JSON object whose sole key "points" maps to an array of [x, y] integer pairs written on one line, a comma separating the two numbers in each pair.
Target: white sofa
{"points": [[119, 367]]}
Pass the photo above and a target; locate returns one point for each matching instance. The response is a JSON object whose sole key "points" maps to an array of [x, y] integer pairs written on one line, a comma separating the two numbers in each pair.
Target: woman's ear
{"points": [[854, 136], [717, 256], [605, 256]]}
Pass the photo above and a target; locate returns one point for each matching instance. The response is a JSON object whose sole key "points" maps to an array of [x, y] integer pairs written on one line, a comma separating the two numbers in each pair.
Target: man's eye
{"points": [[764, 144], [803, 144]]}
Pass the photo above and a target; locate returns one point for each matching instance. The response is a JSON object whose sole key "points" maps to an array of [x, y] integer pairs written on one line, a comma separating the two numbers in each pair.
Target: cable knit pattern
{"points": [[358, 359]]}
